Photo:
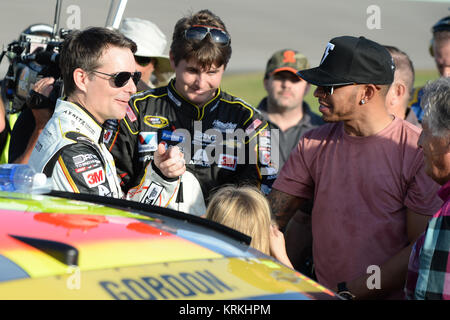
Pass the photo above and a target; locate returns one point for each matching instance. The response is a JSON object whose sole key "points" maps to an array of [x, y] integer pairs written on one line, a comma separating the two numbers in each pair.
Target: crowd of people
{"points": [[366, 183]]}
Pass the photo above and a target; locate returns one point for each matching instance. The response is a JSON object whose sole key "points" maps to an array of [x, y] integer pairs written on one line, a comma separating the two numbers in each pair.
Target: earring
{"points": [[363, 101]]}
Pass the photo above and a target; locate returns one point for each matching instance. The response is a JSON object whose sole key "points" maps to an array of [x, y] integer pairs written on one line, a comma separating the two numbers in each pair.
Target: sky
{"points": [[257, 27]]}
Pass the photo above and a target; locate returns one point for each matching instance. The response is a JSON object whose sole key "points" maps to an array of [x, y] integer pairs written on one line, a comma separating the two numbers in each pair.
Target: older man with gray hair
{"points": [[429, 267]]}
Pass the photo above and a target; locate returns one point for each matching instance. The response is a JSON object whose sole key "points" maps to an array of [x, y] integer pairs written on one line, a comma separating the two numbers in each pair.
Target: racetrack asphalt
{"points": [[257, 27]]}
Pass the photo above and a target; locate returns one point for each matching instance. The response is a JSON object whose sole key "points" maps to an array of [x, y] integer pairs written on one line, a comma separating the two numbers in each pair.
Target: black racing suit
{"points": [[220, 140]]}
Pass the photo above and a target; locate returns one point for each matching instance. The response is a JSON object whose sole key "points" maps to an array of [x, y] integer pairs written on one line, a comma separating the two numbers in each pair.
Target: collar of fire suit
{"points": [[92, 123], [190, 109]]}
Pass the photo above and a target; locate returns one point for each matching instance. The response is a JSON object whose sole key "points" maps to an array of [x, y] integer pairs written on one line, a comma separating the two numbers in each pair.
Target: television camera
{"points": [[31, 58], [35, 55]]}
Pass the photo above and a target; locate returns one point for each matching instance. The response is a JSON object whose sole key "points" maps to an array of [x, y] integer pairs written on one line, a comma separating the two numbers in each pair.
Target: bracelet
{"points": [[344, 292]]}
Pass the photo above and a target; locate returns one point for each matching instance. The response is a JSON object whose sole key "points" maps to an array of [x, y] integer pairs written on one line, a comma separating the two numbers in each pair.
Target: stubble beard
{"points": [[280, 104]]}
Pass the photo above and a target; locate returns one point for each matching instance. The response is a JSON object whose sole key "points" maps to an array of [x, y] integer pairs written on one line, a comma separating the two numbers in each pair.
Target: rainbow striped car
{"points": [[74, 246]]}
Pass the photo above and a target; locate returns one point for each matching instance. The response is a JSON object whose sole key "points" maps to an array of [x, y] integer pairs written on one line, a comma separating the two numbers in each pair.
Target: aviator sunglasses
{"points": [[121, 78], [199, 32]]}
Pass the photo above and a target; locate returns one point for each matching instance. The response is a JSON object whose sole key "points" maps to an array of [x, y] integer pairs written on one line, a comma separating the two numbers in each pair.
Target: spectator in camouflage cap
{"points": [[284, 107]]}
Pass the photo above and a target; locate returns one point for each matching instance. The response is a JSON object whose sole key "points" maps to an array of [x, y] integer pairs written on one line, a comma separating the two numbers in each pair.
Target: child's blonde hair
{"points": [[244, 209]]}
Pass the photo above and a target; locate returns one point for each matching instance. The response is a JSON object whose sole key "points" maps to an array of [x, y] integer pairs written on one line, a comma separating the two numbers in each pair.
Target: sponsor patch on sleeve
{"points": [[107, 136], [94, 177], [148, 141], [255, 124], [265, 133], [156, 121], [152, 194], [170, 136], [227, 162], [85, 162], [265, 157], [264, 142], [131, 114], [104, 191]]}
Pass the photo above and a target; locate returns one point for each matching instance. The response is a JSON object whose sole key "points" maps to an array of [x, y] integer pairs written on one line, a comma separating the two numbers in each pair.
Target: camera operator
{"points": [[31, 121], [17, 122]]}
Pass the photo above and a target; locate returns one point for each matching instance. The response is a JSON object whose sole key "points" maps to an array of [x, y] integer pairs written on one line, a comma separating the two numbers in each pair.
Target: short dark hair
{"points": [[83, 49], [441, 31], [441, 37], [205, 52], [404, 66]]}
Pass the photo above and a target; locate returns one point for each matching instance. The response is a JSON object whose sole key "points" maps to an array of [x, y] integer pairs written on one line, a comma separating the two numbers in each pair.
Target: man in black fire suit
{"points": [[224, 140]]}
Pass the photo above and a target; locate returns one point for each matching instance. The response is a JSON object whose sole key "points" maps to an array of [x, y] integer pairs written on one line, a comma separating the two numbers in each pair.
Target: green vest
{"points": [[11, 121]]}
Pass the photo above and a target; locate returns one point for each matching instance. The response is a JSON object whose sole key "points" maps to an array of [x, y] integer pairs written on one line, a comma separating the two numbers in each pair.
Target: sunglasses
{"points": [[144, 61], [121, 78], [199, 32], [330, 89]]}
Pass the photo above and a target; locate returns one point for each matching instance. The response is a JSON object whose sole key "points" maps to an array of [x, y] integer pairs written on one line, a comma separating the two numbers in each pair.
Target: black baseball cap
{"points": [[348, 60]]}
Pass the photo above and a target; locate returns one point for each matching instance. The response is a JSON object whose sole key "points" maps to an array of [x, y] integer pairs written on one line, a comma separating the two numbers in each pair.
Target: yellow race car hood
{"points": [[53, 248]]}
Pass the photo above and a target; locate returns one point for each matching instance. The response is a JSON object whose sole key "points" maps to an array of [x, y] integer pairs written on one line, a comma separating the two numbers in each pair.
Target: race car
{"points": [[77, 246]]}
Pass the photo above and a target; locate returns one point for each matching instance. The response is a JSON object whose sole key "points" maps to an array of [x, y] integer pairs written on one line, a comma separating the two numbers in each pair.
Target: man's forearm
{"points": [[283, 206], [392, 278]]}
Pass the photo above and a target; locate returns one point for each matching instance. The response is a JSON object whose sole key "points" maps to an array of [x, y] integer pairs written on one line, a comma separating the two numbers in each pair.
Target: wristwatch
{"points": [[344, 292]]}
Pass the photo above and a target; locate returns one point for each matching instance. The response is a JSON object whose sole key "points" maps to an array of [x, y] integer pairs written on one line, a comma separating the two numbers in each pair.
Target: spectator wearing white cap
{"points": [[150, 58]]}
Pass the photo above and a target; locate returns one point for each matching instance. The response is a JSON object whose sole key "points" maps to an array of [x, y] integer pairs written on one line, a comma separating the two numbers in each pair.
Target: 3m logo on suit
{"points": [[94, 177]]}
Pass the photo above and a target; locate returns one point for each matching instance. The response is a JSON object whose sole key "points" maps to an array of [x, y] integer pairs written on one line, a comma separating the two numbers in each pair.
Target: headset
{"points": [[441, 25]]}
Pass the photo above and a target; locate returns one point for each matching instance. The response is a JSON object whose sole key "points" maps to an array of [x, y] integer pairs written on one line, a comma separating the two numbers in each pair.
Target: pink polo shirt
{"points": [[361, 188]]}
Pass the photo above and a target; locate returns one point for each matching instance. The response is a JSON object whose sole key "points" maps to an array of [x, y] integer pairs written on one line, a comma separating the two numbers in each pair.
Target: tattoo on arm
{"points": [[283, 206]]}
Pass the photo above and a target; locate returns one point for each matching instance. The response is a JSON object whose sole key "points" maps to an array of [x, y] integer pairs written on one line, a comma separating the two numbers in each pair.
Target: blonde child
{"points": [[247, 210]]}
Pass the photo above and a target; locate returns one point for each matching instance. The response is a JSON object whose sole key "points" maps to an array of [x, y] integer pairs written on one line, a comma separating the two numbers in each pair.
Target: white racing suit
{"points": [[150, 190], [71, 151]]}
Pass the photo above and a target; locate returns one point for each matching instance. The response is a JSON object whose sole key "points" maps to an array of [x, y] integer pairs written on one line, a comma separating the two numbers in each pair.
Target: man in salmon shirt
{"points": [[364, 171]]}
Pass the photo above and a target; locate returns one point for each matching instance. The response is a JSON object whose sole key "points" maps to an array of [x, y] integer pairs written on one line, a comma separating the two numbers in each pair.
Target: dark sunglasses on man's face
{"points": [[330, 89], [199, 32], [121, 78], [144, 61]]}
